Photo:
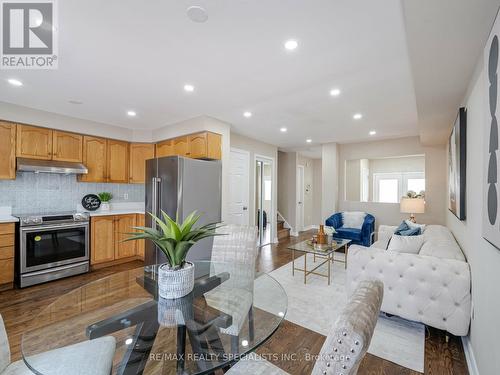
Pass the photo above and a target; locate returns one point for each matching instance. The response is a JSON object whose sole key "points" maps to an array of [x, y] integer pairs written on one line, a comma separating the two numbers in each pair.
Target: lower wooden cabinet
{"points": [[7, 255], [107, 235], [141, 244]]}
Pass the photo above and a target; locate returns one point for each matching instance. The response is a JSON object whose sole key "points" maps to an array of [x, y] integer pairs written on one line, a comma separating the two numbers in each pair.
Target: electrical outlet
{"points": [[125, 196]]}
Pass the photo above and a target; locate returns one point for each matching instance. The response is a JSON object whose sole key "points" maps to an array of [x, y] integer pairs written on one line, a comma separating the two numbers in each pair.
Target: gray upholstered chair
{"points": [[235, 252], [347, 342], [94, 357]]}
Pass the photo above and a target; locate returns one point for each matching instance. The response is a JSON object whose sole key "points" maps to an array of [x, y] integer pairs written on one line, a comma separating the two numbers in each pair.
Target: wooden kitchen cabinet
{"points": [[67, 146], [117, 161], [107, 235], [7, 255], [102, 239], [205, 145], [7, 150], [123, 225], [181, 146], [141, 244], [94, 158], [33, 142], [139, 153], [165, 148]]}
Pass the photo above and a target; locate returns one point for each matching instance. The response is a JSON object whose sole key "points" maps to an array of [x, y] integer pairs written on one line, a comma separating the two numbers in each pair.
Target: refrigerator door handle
{"points": [[155, 197]]}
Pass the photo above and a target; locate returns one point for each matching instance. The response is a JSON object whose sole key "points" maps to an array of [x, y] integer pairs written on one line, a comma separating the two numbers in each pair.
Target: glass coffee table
{"points": [[325, 254]]}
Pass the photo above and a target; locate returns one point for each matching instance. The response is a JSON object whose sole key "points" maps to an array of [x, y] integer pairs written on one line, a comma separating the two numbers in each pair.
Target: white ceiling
{"points": [[124, 55]]}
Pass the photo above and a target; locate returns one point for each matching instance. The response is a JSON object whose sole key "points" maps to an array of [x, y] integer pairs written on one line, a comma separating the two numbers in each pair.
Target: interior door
{"points": [[300, 198], [239, 185]]}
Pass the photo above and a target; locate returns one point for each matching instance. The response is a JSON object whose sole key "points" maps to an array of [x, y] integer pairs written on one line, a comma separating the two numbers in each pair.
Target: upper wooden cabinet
{"points": [[165, 148], [139, 153], [33, 142], [181, 146], [204, 145], [67, 146], [7, 150], [117, 161], [94, 158]]}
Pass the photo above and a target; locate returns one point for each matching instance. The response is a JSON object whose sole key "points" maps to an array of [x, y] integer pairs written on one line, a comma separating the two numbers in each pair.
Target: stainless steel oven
{"points": [[51, 246]]}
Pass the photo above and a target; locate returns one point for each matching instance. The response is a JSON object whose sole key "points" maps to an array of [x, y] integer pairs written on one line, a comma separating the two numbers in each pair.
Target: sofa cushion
{"points": [[353, 219], [440, 243], [349, 233], [406, 244]]}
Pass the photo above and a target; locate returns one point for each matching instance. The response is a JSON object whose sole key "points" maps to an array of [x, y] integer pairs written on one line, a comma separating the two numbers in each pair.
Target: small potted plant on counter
{"points": [[105, 198], [175, 239]]}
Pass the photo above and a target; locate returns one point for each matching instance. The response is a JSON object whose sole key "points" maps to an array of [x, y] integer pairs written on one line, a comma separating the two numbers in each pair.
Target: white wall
{"points": [[483, 258], [317, 187], [309, 190], [330, 179], [388, 213], [287, 187], [257, 148]]}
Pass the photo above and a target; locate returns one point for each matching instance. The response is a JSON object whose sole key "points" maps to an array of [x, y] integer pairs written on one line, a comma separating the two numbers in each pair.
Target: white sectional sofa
{"points": [[432, 287]]}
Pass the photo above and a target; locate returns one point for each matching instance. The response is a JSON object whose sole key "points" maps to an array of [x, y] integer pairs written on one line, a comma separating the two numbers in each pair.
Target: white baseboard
{"points": [[311, 227], [294, 234], [469, 356]]}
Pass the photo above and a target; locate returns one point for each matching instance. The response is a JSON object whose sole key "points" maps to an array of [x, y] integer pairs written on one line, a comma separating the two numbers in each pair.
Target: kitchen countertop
{"points": [[116, 212], [8, 219]]}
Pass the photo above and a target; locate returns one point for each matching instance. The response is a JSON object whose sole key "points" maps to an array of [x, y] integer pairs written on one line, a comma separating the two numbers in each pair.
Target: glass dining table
{"points": [[225, 317]]}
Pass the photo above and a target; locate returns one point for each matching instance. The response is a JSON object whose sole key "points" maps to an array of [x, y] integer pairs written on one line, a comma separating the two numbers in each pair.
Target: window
{"points": [[390, 187]]}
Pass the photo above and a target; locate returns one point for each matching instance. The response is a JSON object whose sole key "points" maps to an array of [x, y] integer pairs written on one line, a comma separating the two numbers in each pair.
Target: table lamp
{"points": [[412, 206]]}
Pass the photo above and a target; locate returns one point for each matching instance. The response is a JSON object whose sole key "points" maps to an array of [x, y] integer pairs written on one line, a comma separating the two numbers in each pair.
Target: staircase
{"points": [[283, 232]]}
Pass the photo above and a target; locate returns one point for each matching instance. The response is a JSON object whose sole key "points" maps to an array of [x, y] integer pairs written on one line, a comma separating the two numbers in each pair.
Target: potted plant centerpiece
{"points": [[174, 239], [105, 198]]}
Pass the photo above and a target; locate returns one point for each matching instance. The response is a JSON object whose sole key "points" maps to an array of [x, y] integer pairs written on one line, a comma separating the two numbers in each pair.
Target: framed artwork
{"points": [[491, 221], [457, 152]]}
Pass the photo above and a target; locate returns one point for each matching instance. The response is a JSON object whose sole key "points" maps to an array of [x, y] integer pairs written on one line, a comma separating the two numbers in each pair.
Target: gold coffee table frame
{"points": [[326, 255]]}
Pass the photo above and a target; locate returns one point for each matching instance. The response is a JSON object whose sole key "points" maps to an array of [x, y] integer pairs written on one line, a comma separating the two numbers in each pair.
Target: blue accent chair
{"points": [[363, 236]]}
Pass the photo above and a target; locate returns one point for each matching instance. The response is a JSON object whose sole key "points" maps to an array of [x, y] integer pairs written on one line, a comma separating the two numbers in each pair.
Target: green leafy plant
{"points": [[174, 238], [413, 194], [105, 196]]}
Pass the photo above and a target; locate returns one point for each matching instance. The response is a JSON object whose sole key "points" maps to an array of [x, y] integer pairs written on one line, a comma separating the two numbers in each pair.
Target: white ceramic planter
{"points": [[175, 283], [104, 206]]}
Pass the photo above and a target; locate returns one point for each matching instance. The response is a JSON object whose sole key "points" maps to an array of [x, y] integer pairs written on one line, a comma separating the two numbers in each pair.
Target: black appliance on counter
{"points": [[50, 247]]}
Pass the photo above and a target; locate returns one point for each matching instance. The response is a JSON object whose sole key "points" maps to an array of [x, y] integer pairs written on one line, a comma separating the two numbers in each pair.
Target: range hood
{"points": [[50, 166]]}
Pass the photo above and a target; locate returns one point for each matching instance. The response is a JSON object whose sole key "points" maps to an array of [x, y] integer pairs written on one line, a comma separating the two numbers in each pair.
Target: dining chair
{"points": [[345, 345], [94, 357], [234, 251]]}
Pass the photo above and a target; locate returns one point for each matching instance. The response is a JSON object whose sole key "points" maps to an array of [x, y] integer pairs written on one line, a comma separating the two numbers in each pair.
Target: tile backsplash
{"points": [[45, 192]]}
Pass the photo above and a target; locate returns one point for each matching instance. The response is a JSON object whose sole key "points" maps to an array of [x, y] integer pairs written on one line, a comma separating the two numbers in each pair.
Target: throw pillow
{"points": [[413, 225], [411, 232], [406, 244], [402, 227], [353, 219]]}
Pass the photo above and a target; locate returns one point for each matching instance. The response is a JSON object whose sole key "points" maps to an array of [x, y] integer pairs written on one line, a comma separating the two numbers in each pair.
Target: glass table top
{"points": [[307, 246], [227, 315]]}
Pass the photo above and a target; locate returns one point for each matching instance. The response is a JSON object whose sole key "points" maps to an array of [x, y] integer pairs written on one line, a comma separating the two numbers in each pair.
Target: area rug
{"points": [[316, 305]]}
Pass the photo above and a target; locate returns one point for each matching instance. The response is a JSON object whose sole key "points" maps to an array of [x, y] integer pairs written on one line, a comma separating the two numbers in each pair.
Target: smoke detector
{"points": [[197, 14]]}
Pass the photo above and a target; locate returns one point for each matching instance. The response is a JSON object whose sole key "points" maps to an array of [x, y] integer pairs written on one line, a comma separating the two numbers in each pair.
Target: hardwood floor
{"points": [[293, 344]]}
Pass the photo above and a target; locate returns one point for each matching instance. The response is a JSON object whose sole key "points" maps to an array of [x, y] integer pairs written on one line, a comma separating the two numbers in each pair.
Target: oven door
{"points": [[53, 245]]}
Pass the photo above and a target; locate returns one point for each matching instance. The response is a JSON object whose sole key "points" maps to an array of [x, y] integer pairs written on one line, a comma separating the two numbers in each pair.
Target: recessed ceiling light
{"points": [[247, 114], [335, 92], [357, 116], [373, 132], [197, 14], [283, 130], [131, 113], [309, 140], [291, 44], [15, 82], [189, 88]]}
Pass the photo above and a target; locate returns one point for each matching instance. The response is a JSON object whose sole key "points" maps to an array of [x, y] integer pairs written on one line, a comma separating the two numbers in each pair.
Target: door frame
{"points": [[247, 153], [300, 218], [274, 191]]}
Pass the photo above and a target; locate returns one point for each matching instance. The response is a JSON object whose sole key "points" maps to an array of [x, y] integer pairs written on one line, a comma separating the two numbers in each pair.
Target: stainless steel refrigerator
{"points": [[181, 185]]}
